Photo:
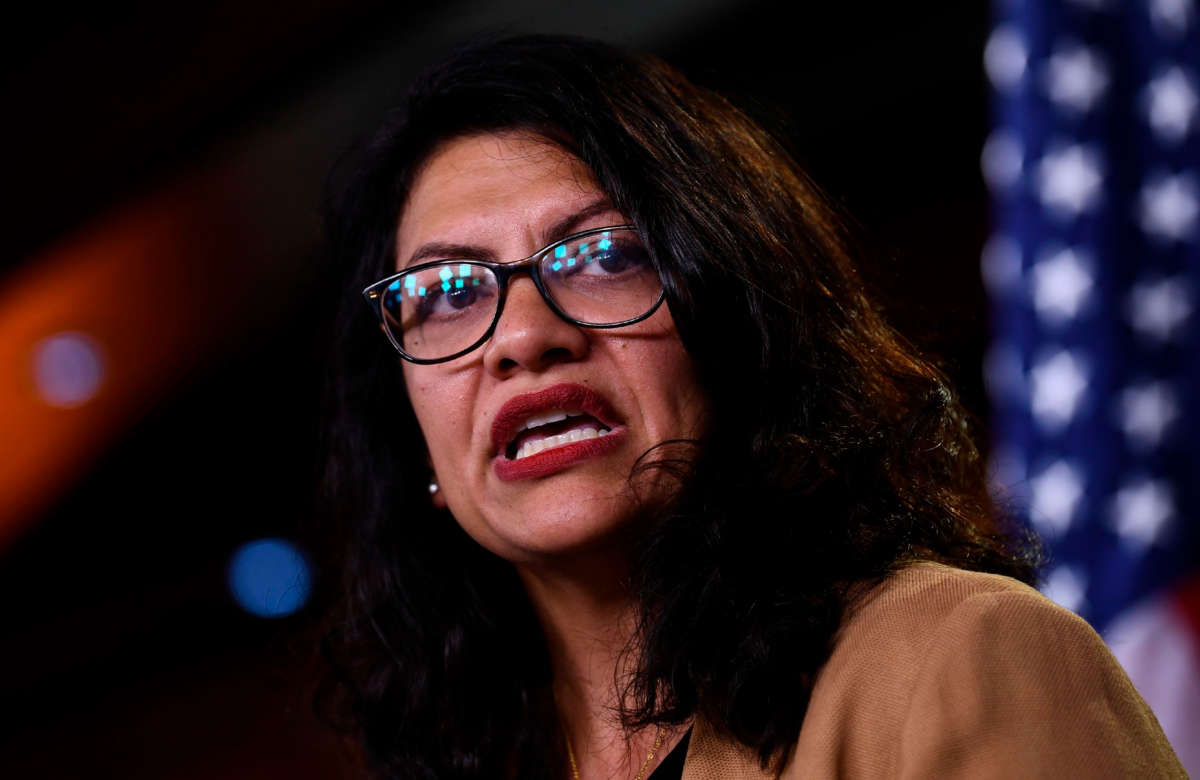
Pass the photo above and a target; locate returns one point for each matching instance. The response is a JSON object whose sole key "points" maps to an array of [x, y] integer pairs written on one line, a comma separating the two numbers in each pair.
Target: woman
{"points": [[666, 496]]}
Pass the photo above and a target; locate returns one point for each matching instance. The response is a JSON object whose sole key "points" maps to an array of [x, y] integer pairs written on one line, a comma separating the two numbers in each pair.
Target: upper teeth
{"points": [[548, 418]]}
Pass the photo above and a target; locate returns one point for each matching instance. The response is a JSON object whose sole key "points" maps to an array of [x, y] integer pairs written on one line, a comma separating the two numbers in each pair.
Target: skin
{"points": [[568, 534]]}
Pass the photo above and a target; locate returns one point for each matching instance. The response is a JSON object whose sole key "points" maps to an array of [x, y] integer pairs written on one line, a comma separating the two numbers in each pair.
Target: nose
{"points": [[530, 335]]}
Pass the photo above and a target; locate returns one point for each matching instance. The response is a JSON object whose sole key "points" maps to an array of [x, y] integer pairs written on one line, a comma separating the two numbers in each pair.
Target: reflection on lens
{"points": [[597, 278], [602, 279], [440, 309]]}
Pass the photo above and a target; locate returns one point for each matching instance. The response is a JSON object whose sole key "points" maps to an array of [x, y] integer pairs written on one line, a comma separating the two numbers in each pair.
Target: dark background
{"points": [[121, 653]]}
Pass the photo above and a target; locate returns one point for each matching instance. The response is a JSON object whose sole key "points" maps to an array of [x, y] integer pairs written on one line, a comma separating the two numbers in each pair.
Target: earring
{"points": [[433, 487]]}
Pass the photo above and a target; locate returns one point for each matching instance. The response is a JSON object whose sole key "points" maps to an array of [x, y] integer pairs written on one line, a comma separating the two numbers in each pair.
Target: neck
{"points": [[589, 618]]}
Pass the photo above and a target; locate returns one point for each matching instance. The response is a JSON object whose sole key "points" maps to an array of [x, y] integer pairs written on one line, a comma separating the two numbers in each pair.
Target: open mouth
{"points": [[540, 433], [554, 429]]}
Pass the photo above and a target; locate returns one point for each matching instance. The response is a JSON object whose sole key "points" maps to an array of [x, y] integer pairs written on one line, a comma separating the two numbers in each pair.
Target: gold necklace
{"points": [[657, 744]]}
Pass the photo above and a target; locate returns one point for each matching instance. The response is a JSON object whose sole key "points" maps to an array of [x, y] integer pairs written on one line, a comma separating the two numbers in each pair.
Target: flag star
{"points": [[1141, 511], [1057, 387], [1145, 411], [1169, 207], [1000, 263], [1054, 495], [1002, 160], [1061, 284], [1069, 180], [1075, 77], [1004, 57], [1066, 587], [1171, 16], [1158, 307], [1170, 103]]}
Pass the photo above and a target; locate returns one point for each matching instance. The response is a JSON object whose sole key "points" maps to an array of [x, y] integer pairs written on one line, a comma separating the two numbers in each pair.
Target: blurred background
{"points": [[161, 338]]}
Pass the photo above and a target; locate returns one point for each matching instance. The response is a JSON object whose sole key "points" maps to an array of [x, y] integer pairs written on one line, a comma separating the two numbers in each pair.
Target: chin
{"points": [[570, 528]]}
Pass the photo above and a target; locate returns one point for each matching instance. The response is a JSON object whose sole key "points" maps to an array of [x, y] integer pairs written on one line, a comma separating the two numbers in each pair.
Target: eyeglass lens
{"points": [[598, 279]]}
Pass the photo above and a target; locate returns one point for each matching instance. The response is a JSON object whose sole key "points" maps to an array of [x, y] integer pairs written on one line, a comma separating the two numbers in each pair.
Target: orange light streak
{"points": [[158, 284]]}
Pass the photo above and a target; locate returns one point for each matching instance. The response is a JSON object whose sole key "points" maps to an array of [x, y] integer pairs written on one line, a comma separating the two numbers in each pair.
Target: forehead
{"points": [[478, 184]]}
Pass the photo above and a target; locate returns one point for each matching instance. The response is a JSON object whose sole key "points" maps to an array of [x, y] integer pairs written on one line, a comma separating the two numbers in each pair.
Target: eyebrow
{"points": [[443, 250]]}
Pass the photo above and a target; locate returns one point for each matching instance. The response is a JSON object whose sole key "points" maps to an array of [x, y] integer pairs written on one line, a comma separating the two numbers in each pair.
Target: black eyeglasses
{"points": [[438, 311]]}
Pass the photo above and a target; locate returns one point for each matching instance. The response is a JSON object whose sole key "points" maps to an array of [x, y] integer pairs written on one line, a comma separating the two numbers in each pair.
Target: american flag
{"points": [[1093, 269]]}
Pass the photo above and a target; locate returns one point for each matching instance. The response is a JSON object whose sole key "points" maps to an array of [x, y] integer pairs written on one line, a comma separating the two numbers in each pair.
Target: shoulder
{"points": [[926, 591], [938, 670], [892, 633], [987, 614]]}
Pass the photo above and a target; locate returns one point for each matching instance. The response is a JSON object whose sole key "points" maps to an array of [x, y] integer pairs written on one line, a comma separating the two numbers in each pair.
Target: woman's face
{"points": [[506, 196]]}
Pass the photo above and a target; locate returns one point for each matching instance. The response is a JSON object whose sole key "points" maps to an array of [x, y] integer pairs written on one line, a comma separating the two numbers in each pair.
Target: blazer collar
{"points": [[713, 757]]}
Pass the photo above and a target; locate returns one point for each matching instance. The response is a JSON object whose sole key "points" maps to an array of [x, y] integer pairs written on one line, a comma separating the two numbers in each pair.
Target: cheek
{"points": [[442, 405], [661, 375], [428, 408], [687, 403]]}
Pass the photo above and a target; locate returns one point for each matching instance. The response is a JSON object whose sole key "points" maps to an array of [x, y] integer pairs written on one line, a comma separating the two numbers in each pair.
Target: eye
{"points": [[455, 295], [444, 292], [461, 299], [618, 259], [600, 256]]}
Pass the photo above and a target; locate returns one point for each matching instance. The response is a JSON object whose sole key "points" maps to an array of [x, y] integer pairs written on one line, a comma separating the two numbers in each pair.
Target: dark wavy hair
{"points": [[835, 453]]}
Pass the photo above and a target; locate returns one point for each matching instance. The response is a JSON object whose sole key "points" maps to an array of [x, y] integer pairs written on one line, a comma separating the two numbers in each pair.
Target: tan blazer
{"points": [[940, 672]]}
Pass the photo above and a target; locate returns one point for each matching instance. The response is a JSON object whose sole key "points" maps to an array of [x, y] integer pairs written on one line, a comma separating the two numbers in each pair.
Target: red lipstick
{"points": [[513, 415]]}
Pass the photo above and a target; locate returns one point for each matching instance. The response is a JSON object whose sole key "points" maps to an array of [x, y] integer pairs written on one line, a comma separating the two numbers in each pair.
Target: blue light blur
{"points": [[269, 578]]}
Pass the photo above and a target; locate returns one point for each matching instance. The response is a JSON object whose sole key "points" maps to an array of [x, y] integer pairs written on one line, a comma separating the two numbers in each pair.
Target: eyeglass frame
{"points": [[504, 272]]}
